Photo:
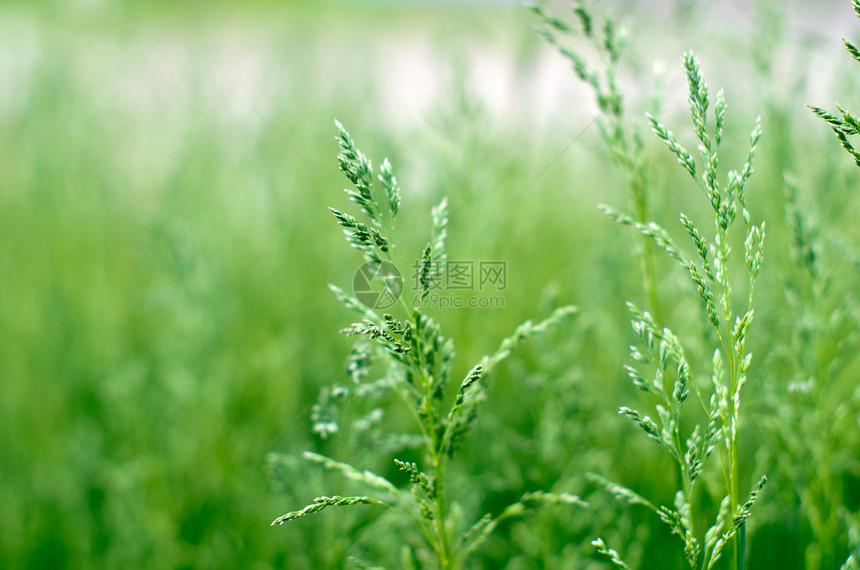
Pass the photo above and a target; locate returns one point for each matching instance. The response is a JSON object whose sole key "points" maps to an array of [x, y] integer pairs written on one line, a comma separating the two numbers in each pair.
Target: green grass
{"points": [[165, 320], [402, 354]]}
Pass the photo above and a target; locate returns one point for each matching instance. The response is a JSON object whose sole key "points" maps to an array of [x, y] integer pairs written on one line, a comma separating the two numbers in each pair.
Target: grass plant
{"points": [[416, 360], [662, 368], [620, 136]]}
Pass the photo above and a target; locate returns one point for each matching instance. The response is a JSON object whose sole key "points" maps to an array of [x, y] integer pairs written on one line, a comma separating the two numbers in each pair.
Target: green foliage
{"points": [[620, 137], [612, 554], [417, 359], [165, 322], [321, 503], [845, 124], [809, 401], [670, 378]]}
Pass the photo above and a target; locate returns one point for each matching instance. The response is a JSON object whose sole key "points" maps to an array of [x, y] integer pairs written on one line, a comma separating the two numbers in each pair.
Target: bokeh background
{"points": [[165, 249]]}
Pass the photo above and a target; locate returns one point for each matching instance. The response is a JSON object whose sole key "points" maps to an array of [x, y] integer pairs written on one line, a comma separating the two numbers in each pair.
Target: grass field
{"points": [[165, 250]]}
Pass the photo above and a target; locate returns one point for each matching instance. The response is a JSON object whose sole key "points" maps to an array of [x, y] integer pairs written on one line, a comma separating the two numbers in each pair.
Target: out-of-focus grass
{"points": [[164, 319], [164, 316]]}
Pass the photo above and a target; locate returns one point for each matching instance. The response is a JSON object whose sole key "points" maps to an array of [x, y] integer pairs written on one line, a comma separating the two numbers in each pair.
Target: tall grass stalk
{"points": [[416, 363], [669, 378], [620, 137]]}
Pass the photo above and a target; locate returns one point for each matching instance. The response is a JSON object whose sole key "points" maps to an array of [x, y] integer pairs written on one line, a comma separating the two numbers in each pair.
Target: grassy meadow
{"points": [[165, 251]]}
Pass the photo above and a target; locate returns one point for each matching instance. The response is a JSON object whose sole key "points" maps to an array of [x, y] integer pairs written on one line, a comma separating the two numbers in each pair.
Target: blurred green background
{"points": [[165, 249]]}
